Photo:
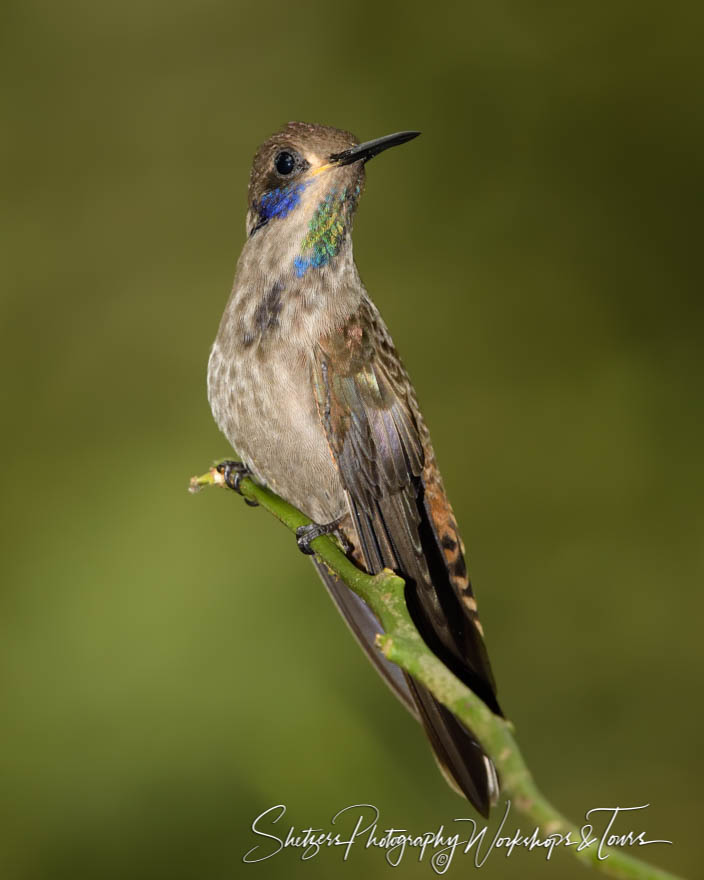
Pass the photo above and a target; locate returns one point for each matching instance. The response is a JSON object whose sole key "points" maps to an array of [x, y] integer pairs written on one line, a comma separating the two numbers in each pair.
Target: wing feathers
{"points": [[403, 521]]}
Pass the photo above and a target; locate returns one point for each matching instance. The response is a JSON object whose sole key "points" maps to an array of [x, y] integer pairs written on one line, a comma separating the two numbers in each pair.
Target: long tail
{"points": [[460, 757]]}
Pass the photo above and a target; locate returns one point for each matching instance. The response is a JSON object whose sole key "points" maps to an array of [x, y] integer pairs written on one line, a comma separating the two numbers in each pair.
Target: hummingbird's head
{"points": [[304, 187]]}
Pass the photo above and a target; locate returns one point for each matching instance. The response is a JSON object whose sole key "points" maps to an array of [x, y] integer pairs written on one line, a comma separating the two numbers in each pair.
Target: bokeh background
{"points": [[170, 665]]}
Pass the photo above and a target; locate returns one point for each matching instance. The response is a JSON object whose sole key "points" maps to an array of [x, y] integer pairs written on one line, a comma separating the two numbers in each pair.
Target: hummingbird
{"points": [[306, 384]]}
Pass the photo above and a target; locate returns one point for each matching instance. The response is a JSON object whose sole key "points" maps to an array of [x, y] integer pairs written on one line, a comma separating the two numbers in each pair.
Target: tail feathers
{"points": [[461, 759], [364, 626]]}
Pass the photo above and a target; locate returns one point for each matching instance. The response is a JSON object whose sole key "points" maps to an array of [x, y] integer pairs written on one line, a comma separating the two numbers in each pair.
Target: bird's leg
{"points": [[306, 534], [234, 472]]}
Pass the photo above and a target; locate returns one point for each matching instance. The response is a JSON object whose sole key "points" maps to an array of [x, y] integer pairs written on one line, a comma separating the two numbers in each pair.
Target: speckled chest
{"points": [[296, 283], [261, 394]]}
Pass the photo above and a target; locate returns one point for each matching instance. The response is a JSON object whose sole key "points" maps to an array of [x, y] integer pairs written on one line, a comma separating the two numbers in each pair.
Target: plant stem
{"points": [[402, 644]]}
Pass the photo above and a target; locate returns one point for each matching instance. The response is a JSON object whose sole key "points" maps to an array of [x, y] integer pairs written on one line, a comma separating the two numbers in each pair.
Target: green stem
{"points": [[402, 644]]}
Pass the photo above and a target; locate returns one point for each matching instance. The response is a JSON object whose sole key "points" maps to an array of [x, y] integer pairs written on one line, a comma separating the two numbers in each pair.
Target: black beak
{"points": [[369, 149]]}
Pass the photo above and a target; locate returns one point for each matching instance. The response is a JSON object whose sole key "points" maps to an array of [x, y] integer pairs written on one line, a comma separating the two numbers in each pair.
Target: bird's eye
{"points": [[285, 163]]}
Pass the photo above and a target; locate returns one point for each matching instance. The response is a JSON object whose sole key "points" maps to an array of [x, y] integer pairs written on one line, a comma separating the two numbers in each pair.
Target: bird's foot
{"points": [[233, 473], [306, 534]]}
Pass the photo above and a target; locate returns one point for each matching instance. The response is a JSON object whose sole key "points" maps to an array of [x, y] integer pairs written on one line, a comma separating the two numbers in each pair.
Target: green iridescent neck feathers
{"points": [[326, 229]]}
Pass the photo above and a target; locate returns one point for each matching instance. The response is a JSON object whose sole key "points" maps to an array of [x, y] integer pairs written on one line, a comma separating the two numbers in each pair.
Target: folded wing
{"points": [[401, 519]]}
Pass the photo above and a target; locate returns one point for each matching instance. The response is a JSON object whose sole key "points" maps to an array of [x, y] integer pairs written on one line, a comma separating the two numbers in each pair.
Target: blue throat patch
{"points": [[326, 228], [280, 202]]}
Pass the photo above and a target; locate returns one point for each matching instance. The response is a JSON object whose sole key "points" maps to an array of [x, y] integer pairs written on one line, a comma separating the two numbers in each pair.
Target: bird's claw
{"points": [[233, 473], [306, 534]]}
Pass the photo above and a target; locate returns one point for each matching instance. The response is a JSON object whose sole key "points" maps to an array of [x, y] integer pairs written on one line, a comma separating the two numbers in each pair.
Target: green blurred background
{"points": [[170, 665]]}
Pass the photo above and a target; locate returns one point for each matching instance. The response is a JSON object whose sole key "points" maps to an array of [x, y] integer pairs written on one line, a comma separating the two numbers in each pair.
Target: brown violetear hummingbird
{"points": [[306, 384]]}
